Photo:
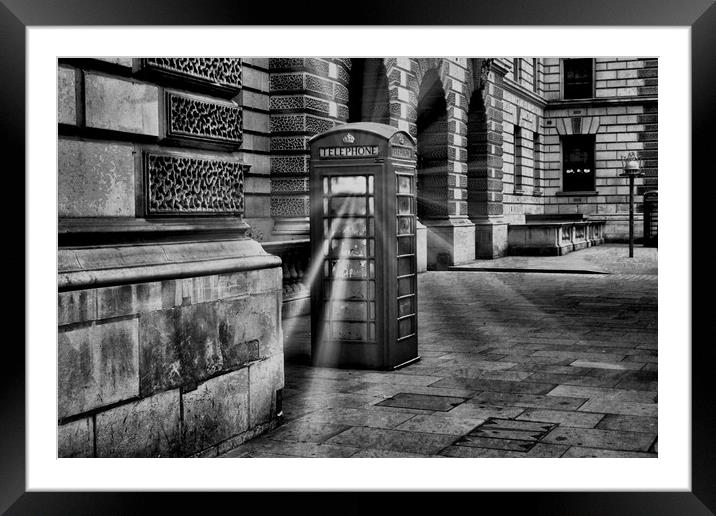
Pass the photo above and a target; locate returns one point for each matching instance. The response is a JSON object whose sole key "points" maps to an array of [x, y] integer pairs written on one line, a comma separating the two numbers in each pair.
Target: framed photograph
{"points": [[275, 243]]}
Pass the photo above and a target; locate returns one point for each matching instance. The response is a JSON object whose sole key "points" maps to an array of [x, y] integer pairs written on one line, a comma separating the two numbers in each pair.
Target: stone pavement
{"points": [[513, 365], [607, 258]]}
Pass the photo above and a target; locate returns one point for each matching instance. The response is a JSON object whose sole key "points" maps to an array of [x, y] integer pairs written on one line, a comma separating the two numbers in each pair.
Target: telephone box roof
{"points": [[383, 130]]}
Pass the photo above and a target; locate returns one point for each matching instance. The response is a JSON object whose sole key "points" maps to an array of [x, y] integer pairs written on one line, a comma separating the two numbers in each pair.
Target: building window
{"points": [[535, 77], [517, 138], [516, 72], [537, 163], [578, 163], [578, 78]]}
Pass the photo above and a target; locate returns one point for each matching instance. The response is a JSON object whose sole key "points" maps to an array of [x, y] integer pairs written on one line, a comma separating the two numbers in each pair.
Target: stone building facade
{"points": [[169, 336], [491, 132], [183, 180]]}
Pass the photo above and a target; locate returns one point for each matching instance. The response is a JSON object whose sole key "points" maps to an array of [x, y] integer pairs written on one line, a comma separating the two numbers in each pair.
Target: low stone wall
{"points": [[553, 238], [421, 234], [165, 353], [295, 262]]}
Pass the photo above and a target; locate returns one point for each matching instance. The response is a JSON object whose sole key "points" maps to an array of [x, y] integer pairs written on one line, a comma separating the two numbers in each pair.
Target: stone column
{"points": [[443, 172], [486, 177], [308, 97]]}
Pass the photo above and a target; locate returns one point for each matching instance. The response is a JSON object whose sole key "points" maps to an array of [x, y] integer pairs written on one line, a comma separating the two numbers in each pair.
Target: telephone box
{"points": [[364, 301]]}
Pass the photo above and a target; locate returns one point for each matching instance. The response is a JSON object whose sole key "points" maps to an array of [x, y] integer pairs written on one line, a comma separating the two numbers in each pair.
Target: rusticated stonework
{"points": [[216, 73], [178, 185], [203, 120]]}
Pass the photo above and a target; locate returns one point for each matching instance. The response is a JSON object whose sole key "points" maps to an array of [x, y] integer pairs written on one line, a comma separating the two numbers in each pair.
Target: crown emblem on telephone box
{"points": [[349, 138]]}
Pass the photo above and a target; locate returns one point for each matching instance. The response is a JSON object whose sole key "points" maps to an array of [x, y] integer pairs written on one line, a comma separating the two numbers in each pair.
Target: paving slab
{"points": [[603, 393], [307, 431], [563, 418], [628, 408], [521, 445], [479, 384], [483, 411], [581, 452], [598, 438], [423, 401], [530, 400], [373, 453], [358, 417], [395, 440], [521, 425], [476, 452], [440, 424], [629, 423]]}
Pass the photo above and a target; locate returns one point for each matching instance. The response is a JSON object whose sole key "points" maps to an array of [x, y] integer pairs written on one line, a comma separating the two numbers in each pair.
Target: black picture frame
{"points": [[17, 15]]}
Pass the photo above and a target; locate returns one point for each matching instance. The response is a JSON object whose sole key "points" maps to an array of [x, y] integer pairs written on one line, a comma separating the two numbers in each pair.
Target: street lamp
{"points": [[632, 169]]}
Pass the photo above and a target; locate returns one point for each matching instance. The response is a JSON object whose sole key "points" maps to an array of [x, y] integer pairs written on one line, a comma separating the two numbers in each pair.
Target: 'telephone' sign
{"points": [[357, 151]]}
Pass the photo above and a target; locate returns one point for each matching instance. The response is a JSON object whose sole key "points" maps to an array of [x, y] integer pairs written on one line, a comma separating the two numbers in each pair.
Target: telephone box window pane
{"points": [[349, 331], [578, 165], [348, 185], [347, 310], [405, 245], [405, 306], [349, 247], [406, 326], [405, 286], [350, 227], [371, 331], [578, 78], [404, 184], [371, 311], [370, 184], [370, 206], [348, 290], [405, 266], [347, 269], [371, 245], [347, 206], [371, 266], [404, 207], [405, 225], [325, 185]]}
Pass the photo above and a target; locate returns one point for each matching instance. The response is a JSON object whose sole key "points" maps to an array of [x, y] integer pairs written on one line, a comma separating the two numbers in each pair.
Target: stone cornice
{"points": [[523, 93], [599, 102]]}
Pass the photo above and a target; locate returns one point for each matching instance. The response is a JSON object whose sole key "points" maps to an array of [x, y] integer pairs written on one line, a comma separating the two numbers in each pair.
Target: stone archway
{"points": [[368, 95], [432, 128]]}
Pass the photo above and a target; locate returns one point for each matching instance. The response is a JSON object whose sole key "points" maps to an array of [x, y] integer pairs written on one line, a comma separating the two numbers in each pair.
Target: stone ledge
{"points": [[81, 268]]}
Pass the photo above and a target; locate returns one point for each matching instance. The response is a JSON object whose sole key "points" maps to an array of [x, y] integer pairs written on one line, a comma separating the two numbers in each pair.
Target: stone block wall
{"points": [[169, 314], [256, 146], [307, 96], [170, 367], [523, 109], [623, 117]]}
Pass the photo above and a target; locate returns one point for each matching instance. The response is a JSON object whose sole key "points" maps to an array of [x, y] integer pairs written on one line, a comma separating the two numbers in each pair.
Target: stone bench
{"points": [[552, 237]]}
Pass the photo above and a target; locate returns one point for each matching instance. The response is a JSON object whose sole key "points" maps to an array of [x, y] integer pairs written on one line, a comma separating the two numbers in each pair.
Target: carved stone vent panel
{"points": [[202, 120], [214, 74], [179, 185]]}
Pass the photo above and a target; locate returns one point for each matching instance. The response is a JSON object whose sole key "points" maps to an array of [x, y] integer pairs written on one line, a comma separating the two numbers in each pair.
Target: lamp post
{"points": [[632, 169]]}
